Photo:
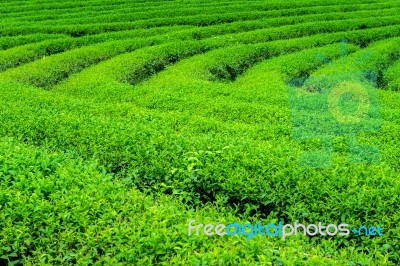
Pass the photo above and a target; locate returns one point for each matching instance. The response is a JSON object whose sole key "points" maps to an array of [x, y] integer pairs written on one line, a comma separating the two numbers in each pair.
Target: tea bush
{"points": [[121, 121]]}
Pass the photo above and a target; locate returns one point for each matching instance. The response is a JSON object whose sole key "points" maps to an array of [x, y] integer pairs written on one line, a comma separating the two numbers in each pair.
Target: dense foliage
{"points": [[123, 120]]}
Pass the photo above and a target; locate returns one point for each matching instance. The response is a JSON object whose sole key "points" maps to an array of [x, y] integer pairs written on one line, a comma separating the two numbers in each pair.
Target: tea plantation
{"points": [[122, 121]]}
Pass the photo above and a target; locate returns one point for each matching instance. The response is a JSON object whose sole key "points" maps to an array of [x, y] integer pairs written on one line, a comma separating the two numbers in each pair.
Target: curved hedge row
{"points": [[121, 121]]}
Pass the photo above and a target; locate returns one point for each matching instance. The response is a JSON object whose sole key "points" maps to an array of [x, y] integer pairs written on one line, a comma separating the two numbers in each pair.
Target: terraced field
{"points": [[121, 121]]}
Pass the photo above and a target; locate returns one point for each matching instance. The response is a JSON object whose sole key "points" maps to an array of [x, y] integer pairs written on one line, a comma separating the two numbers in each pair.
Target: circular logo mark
{"points": [[348, 102]]}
